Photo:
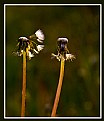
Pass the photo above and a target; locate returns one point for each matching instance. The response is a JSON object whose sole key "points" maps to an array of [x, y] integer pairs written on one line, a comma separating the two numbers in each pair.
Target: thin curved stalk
{"points": [[56, 101], [24, 85]]}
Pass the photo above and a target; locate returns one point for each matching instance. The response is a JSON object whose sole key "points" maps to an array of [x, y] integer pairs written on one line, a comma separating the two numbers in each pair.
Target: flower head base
{"points": [[63, 52], [29, 45], [62, 45]]}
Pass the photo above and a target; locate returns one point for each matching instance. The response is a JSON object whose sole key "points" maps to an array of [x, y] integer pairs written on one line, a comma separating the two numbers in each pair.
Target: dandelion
{"points": [[63, 54], [30, 44], [63, 51], [28, 47]]}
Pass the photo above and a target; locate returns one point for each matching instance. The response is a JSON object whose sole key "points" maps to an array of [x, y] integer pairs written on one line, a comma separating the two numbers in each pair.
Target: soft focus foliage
{"points": [[80, 91]]}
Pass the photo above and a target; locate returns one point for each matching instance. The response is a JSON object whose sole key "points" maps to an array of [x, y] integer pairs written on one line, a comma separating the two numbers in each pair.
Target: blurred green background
{"points": [[80, 91]]}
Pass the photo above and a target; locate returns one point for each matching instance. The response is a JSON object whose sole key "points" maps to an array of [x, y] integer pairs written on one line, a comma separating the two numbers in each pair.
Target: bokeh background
{"points": [[80, 91]]}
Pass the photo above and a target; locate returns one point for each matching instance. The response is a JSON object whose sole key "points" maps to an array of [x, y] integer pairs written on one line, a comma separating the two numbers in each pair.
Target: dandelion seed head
{"points": [[63, 52], [29, 45], [39, 34], [39, 40], [40, 47], [30, 54]]}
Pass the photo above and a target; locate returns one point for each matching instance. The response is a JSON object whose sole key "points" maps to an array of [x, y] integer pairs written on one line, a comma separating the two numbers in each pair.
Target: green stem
{"points": [[53, 114], [24, 85]]}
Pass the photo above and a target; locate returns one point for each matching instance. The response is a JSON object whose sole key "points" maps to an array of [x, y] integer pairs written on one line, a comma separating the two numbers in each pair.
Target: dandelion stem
{"points": [[24, 85], [53, 114]]}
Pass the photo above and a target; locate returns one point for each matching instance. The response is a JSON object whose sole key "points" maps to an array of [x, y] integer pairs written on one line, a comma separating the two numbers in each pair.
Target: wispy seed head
{"points": [[29, 45], [63, 51], [39, 34]]}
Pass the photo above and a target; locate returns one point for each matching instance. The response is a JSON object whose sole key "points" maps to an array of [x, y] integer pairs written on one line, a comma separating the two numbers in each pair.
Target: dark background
{"points": [[80, 91]]}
